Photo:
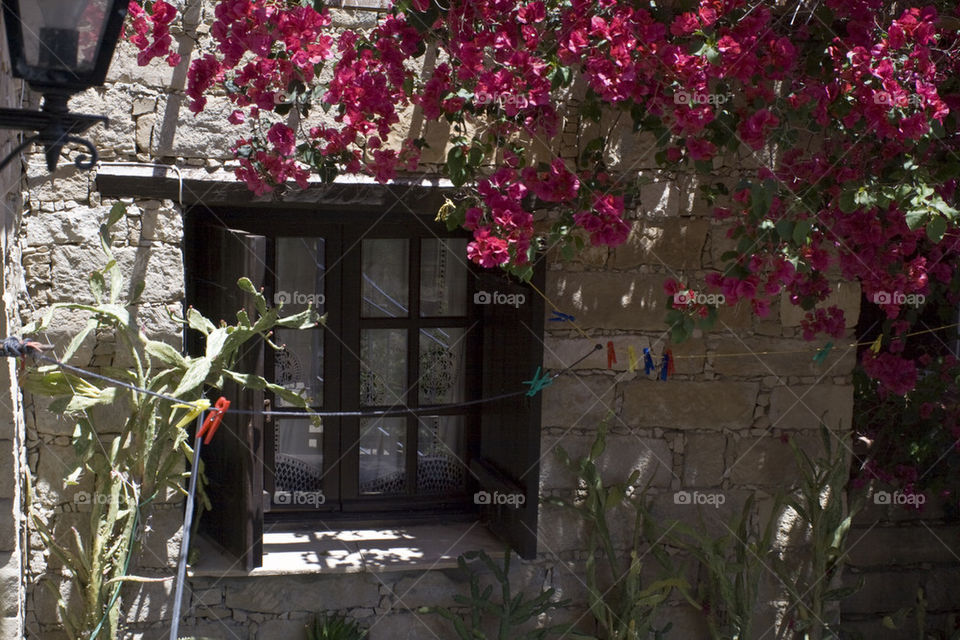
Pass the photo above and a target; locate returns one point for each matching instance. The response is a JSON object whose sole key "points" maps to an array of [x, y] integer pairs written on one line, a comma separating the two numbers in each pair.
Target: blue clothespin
{"points": [[647, 361], [538, 382], [666, 364], [561, 317], [822, 354]]}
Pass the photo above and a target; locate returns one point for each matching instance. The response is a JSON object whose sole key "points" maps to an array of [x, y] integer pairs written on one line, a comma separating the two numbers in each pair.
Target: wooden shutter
{"points": [[233, 461], [510, 429]]}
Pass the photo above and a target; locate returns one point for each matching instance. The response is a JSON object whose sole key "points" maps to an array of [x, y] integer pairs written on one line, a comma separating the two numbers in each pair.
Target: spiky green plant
{"points": [[627, 610], [334, 627], [512, 613], [145, 458]]}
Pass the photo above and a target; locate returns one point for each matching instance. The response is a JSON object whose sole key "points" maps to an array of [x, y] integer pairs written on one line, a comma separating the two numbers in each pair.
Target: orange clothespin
{"points": [[212, 422]]}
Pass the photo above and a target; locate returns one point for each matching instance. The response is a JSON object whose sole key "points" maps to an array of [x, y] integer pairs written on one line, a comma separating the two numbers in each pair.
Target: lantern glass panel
{"points": [[63, 35]]}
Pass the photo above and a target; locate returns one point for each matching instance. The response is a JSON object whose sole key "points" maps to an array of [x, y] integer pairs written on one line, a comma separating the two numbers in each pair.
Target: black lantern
{"points": [[59, 47]]}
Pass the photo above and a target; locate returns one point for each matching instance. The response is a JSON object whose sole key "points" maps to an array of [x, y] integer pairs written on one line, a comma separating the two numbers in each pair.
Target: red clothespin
{"points": [[611, 355], [669, 362], [213, 419]]}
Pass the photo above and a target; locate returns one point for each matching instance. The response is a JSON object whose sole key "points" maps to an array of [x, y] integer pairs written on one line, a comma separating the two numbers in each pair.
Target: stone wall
{"points": [[11, 413], [716, 427]]}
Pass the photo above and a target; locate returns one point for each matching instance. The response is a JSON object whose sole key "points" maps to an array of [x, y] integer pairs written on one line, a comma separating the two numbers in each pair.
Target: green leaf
{"points": [[456, 166], [194, 377], [165, 353], [915, 218], [303, 320], [801, 231], [117, 211], [784, 230], [936, 228], [196, 320], [97, 286], [848, 201]]}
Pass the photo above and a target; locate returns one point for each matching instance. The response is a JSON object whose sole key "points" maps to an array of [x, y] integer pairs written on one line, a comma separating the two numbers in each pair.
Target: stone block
{"points": [[10, 591], [767, 461], [846, 295], [675, 243], [430, 588], [904, 545], [712, 512], [691, 405], [559, 530], [623, 454], [116, 139], [610, 300], [147, 602], [883, 591], [8, 478], [777, 357], [161, 540], [11, 628], [221, 630], [803, 406], [162, 225], [280, 629], [582, 401], [67, 182], [124, 68], [160, 266], [177, 132], [280, 594], [660, 199], [704, 459], [410, 626]]}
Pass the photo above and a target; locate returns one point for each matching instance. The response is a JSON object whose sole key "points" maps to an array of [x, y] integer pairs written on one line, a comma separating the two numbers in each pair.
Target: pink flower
{"points": [[700, 149], [684, 24], [487, 250], [236, 117], [282, 138]]}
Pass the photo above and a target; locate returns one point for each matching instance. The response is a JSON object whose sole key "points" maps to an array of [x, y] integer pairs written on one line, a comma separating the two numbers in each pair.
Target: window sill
{"points": [[375, 550]]}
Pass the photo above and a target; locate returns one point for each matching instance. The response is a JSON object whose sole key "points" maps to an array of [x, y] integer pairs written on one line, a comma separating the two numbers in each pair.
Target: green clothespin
{"points": [[822, 354]]}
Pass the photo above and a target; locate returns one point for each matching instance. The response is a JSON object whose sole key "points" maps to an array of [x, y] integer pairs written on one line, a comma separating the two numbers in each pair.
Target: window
{"points": [[405, 337]]}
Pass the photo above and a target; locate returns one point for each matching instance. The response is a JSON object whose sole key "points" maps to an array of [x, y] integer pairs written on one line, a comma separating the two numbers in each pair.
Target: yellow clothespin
{"points": [[875, 347], [194, 409], [632, 358]]}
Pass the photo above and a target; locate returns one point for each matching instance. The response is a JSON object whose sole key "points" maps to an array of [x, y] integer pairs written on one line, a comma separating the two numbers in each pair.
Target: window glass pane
{"points": [[440, 454], [441, 365], [298, 457], [383, 367], [385, 273], [382, 465], [299, 365], [443, 277], [300, 273]]}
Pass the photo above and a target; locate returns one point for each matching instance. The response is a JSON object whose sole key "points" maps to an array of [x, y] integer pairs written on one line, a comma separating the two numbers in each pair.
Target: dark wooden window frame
{"points": [[503, 442]]}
